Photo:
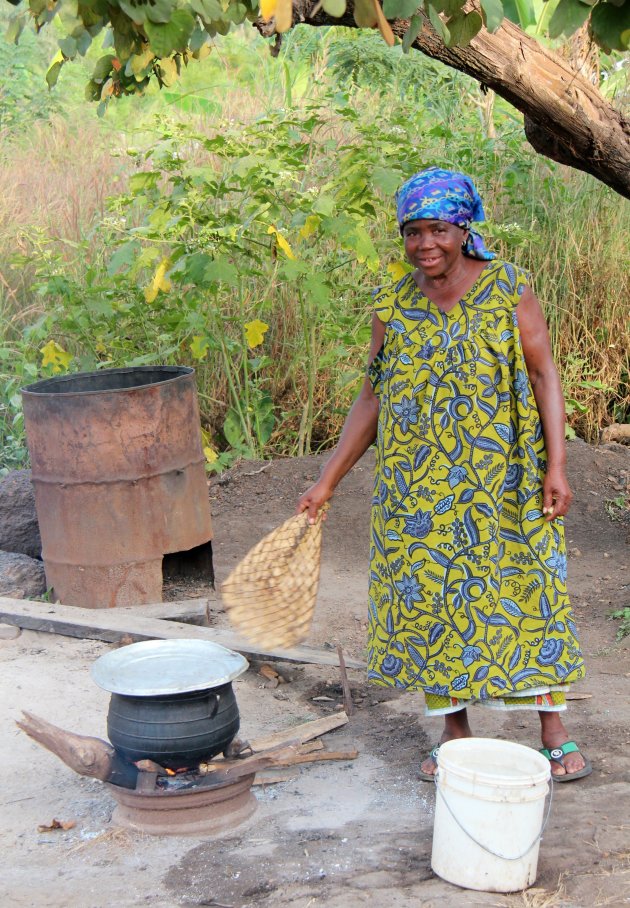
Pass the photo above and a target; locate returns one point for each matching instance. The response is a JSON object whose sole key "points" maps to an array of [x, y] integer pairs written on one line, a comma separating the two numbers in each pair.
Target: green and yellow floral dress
{"points": [[468, 596]]}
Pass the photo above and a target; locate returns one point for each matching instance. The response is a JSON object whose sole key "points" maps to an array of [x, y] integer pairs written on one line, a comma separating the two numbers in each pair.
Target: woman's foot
{"points": [[455, 726], [553, 736]]}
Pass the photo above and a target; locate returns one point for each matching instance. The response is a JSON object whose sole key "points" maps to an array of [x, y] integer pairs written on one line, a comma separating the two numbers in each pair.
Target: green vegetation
{"points": [[154, 40], [243, 222], [622, 615]]}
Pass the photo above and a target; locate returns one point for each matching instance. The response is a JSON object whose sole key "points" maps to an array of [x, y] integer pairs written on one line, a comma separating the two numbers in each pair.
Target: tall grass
{"points": [[65, 207]]}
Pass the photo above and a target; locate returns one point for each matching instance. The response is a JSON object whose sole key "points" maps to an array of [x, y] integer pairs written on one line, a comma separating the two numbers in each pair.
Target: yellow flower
{"points": [[199, 346], [55, 356], [210, 454], [255, 333], [159, 282], [397, 270], [282, 242]]}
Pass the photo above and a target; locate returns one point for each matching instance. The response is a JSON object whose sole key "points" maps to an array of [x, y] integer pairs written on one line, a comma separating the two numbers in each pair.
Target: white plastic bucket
{"points": [[489, 814]]}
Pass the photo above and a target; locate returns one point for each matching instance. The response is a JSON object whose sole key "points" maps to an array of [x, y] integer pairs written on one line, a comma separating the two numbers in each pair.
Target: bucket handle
{"points": [[485, 848]]}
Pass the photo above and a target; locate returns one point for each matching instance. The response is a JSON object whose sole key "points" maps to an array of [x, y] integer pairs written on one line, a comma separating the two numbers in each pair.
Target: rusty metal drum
{"points": [[119, 478]]}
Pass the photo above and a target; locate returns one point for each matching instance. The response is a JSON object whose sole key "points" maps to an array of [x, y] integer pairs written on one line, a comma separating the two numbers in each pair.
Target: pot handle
{"points": [[215, 707]]}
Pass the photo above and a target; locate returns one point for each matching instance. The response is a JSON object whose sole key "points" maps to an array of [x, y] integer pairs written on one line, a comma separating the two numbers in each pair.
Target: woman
{"points": [[467, 562]]}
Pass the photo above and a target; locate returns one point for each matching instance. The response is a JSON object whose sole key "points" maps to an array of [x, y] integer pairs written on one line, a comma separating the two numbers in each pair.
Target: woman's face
{"points": [[435, 247]]}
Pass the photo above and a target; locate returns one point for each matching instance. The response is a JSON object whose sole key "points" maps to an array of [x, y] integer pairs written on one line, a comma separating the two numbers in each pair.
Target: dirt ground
{"points": [[341, 834]]}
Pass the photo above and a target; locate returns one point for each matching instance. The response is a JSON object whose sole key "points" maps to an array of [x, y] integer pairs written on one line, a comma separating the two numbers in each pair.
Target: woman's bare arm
{"points": [[547, 389], [359, 432]]}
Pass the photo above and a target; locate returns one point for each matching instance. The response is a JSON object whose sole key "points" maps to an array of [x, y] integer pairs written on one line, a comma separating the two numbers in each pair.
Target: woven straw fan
{"points": [[270, 595]]}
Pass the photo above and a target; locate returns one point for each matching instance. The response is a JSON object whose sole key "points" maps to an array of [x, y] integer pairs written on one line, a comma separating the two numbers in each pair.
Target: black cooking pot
{"points": [[175, 730]]}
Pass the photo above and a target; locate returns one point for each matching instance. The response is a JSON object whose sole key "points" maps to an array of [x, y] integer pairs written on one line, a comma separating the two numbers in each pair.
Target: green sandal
{"points": [[430, 776], [557, 755]]}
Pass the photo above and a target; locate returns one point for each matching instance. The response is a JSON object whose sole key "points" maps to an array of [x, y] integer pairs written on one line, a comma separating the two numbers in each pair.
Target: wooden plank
{"points": [[113, 626], [180, 610], [318, 757], [304, 732]]}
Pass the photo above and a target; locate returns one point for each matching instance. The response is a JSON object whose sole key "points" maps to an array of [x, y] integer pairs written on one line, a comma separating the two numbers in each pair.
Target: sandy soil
{"points": [[340, 834]]}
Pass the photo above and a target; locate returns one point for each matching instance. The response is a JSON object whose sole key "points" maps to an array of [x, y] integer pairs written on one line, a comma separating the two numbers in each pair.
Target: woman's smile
{"points": [[433, 246]]}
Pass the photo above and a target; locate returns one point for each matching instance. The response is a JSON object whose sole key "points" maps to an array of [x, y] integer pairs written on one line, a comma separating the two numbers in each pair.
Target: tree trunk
{"points": [[566, 117]]}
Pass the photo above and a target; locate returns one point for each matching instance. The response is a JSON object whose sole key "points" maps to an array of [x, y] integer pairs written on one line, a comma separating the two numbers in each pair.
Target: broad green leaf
{"points": [[168, 71], [233, 429], [521, 12], [194, 268], [68, 47], [84, 42], [199, 346], [92, 91], [493, 13], [54, 69], [448, 7], [146, 179], [462, 29], [103, 68], [364, 248], [15, 29], [172, 36], [364, 13], [415, 27], [439, 26], [310, 226], [137, 64], [400, 9], [208, 10], [123, 257], [324, 204], [568, 17], [610, 25], [149, 10], [334, 8], [264, 419], [220, 270], [386, 179]]}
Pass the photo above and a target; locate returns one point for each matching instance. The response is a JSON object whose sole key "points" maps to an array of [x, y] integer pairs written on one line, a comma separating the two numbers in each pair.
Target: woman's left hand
{"points": [[557, 495]]}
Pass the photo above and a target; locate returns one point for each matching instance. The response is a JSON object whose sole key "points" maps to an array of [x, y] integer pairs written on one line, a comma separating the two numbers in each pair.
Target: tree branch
{"points": [[566, 117]]}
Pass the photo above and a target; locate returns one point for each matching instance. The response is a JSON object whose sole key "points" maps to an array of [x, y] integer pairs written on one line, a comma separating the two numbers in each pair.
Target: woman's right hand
{"points": [[314, 499]]}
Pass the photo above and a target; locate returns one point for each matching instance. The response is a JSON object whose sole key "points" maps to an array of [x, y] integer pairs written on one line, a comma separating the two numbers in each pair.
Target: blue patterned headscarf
{"points": [[445, 195]]}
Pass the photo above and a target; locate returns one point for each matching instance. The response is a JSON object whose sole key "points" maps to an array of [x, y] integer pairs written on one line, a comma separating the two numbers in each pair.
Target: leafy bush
{"points": [[248, 246]]}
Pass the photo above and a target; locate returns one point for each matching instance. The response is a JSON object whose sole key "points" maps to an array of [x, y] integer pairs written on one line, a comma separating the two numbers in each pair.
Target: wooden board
{"points": [[193, 611], [304, 732], [113, 625]]}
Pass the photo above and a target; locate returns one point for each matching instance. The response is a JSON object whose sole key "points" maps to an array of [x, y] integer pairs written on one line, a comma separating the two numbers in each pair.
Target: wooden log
{"points": [[301, 733], [189, 611], [112, 625], [87, 756]]}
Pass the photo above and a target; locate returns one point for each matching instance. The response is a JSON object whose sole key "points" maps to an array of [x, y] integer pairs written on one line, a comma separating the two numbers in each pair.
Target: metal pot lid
{"points": [[156, 667]]}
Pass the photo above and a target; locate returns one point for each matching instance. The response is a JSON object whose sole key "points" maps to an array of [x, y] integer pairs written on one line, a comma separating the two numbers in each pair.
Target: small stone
{"points": [[575, 553], [606, 555], [9, 631], [611, 478]]}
